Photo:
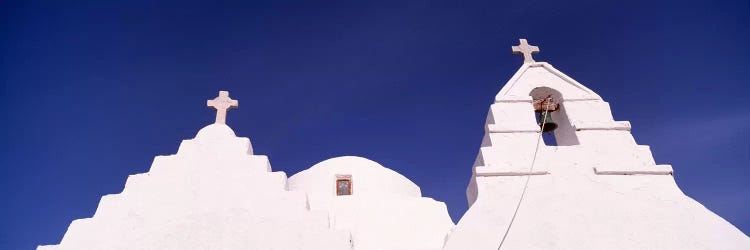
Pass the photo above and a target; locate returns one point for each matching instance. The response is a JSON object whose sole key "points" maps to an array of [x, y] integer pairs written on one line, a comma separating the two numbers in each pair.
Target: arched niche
{"points": [[565, 134]]}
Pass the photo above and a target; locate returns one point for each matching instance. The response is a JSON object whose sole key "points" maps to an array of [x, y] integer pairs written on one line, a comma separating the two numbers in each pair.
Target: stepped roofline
{"points": [[505, 96]]}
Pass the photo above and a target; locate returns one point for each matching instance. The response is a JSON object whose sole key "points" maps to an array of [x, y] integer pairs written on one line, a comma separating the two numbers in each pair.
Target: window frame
{"points": [[347, 178]]}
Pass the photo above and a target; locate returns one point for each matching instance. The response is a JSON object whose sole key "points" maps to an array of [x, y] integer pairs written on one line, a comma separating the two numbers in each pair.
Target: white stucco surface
{"points": [[213, 194], [598, 189], [385, 210]]}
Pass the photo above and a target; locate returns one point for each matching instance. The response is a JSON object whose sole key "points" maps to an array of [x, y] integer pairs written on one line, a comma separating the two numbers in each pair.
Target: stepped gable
{"points": [[213, 194], [595, 189]]}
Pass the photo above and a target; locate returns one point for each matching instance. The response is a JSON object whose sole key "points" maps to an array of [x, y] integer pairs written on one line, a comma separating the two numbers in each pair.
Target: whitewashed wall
{"points": [[385, 210], [213, 194], [598, 190]]}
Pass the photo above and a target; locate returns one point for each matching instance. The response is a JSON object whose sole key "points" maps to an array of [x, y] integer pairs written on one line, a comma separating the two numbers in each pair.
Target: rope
{"points": [[528, 177]]}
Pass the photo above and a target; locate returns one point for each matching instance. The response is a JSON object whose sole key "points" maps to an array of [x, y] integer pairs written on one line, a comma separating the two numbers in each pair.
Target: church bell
{"points": [[546, 124], [544, 108]]}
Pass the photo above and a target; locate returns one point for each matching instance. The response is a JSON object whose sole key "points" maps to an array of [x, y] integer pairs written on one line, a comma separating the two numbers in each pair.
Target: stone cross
{"points": [[525, 49], [222, 103]]}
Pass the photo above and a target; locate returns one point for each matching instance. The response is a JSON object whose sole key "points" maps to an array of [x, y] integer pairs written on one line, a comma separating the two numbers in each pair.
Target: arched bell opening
{"points": [[549, 110]]}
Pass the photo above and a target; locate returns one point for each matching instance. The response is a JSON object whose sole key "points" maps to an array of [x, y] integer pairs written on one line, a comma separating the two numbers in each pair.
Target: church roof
{"points": [[368, 178], [542, 74]]}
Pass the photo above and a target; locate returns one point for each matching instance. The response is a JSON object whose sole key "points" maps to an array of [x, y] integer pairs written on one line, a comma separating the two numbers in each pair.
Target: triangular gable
{"points": [[542, 74]]}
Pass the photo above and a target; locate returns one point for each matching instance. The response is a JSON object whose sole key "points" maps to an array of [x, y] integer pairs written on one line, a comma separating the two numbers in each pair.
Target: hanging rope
{"points": [[528, 175]]}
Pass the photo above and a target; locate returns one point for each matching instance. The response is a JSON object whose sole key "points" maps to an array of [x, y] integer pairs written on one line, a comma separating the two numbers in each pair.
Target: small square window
{"points": [[343, 185]]}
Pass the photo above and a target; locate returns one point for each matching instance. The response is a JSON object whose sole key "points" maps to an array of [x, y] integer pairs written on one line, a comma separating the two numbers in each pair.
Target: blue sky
{"points": [[92, 91]]}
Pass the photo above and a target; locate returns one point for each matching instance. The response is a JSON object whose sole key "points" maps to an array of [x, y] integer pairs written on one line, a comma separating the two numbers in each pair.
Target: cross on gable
{"points": [[525, 49], [222, 103]]}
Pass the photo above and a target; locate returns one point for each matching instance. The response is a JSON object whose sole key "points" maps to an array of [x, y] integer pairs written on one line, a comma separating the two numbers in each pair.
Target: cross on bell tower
{"points": [[222, 103], [525, 49]]}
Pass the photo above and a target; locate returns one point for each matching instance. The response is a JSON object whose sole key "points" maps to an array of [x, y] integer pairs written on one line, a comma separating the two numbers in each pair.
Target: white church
{"points": [[596, 189]]}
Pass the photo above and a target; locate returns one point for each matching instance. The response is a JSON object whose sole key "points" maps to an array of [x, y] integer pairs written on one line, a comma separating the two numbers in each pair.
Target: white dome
{"points": [[216, 130], [367, 178]]}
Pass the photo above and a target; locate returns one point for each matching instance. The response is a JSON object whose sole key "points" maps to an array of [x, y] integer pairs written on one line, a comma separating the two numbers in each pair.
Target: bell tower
{"points": [[596, 189]]}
